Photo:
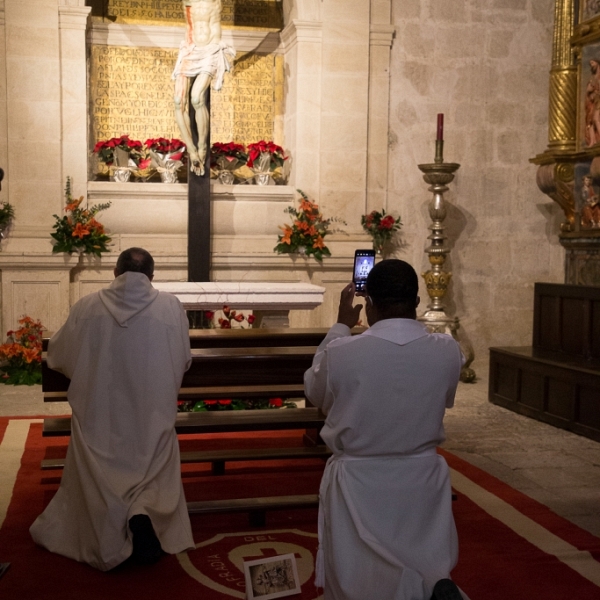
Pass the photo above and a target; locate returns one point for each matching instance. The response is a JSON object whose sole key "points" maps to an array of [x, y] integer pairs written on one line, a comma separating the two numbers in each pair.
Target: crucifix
{"points": [[203, 57]]}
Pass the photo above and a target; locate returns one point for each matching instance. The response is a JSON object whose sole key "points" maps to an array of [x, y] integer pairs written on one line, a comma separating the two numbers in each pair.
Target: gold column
{"points": [[562, 119]]}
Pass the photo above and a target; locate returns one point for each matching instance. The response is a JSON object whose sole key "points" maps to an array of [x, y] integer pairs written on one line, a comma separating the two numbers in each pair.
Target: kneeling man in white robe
{"points": [[386, 528], [125, 350]]}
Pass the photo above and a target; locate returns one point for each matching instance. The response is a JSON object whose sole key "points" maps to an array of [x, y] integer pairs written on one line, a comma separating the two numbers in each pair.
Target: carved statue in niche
{"points": [[203, 56], [592, 104], [590, 211], [591, 8]]}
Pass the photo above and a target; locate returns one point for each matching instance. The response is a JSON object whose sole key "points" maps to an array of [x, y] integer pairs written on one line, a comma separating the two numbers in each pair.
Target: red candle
{"points": [[440, 127]]}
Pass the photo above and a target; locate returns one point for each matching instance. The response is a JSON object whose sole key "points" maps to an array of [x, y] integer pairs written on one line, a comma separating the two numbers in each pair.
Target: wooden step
{"points": [[221, 421], [215, 392], [256, 507], [220, 457]]}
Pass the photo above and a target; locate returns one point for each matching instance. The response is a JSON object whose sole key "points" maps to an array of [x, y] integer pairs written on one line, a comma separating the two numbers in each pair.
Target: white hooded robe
{"points": [[125, 350], [386, 528]]}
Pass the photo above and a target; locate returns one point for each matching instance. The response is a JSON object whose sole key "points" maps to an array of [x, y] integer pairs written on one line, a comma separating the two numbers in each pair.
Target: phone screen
{"points": [[364, 260]]}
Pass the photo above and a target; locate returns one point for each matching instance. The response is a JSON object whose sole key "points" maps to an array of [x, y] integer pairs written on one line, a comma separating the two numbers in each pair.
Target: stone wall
{"points": [[485, 66]]}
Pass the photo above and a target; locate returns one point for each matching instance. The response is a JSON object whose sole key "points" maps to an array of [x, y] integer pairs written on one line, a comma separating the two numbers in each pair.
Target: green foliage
{"points": [[78, 230], [7, 212]]}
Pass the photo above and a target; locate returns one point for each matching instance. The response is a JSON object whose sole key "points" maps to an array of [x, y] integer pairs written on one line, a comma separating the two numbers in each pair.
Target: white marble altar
{"points": [[270, 302]]}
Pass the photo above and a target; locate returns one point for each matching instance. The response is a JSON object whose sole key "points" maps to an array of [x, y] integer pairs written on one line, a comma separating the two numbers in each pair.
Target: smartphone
{"points": [[364, 261]]}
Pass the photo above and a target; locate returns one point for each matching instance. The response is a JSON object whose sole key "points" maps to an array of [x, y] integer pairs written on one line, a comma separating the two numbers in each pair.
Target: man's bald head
{"points": [[136, 260]]}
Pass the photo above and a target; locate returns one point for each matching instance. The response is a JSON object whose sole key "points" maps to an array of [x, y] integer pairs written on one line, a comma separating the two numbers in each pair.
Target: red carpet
{"points": [[500, 555]]}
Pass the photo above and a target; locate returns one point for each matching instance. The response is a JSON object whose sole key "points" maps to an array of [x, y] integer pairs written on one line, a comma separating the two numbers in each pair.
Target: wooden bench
{"points": [[557, 378], [222, 372]]}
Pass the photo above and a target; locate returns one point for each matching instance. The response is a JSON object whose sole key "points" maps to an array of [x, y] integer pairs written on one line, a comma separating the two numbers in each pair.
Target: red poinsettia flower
{"points": [[278, 402]]}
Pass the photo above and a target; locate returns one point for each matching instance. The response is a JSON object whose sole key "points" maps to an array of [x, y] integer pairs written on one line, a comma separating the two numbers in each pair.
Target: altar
{"points": [[270, 302]]}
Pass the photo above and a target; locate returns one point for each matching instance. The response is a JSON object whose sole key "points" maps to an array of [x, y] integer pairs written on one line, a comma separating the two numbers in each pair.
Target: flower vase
{"points": [[263, 169], [168, 176], [121, 174], [226, 177]]}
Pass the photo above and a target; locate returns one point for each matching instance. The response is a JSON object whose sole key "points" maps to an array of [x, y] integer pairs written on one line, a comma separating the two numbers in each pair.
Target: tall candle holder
{"points": [[438, 175]]}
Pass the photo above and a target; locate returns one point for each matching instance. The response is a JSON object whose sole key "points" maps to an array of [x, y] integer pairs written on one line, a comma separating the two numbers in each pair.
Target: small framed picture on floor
{"points": [[273, 577]]}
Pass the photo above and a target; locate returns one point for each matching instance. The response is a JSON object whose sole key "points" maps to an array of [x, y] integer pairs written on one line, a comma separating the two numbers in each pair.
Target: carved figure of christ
{"points": [[202, 58]]}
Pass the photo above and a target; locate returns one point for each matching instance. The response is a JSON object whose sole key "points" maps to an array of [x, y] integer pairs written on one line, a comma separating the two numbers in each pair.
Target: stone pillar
{"points": [[302, 42], [345, 109], [381, 36], [562, 119], [74, 104], [3, 106], [34, 127]]}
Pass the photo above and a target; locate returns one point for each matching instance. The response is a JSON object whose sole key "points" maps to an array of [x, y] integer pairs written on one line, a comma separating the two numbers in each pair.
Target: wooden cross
{"points": [[199, 213]]}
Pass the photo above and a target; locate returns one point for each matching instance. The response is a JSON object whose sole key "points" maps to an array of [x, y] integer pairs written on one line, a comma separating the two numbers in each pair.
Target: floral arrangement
{"points": [[307, 232], [21, 355], [7, 212], [228, 156], [275, 153], [265, 160], [167, 156], [228, 162], [78, 230], [172, 148], [234, 404], [380, 227], [232, 316], [108, 151], [231, 319]]}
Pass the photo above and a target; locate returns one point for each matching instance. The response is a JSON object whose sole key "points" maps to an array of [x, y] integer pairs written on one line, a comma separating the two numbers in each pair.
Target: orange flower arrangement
{"points": [[21, 355], [307, 232], [78, 230]]}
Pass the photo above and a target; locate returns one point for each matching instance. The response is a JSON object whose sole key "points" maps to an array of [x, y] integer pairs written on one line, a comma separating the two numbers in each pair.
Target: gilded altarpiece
{"points": [[569, 169], [131, 91]]}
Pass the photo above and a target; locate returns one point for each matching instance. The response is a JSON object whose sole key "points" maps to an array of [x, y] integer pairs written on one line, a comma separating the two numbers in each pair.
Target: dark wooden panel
{"points": [[532, 390], [573, 335], [250, 338], [226, 367], [571, 386], [566, 319], [589, 407], [561, 399], [546, 322], [222, 421], [595, 329], [506, 382]]}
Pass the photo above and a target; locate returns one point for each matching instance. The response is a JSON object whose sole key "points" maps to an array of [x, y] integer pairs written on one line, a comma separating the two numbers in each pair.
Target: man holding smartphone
{"points": [[385, 517]]}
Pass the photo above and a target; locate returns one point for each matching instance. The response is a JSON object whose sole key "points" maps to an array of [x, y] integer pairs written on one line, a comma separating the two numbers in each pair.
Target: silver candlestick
{"points": [[437, 175]]}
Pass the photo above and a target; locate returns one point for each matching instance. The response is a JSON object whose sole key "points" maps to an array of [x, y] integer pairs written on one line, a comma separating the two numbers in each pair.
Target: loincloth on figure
{"points": [[212, 59]]}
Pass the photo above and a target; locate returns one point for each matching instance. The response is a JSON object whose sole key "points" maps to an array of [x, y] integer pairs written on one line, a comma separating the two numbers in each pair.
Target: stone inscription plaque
{"points": [[265, 14], [131, 93]]}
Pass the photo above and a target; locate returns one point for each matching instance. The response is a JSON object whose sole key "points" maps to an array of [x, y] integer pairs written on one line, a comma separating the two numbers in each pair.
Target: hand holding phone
{"points": [[347, 313], [364, 261]]}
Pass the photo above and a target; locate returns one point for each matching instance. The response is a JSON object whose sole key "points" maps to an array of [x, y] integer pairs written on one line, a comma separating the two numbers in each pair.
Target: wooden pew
{"points": [[557, 379], [235, 364], [267, 370]]}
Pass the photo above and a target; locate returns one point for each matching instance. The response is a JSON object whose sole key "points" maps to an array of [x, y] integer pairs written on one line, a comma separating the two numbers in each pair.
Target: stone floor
{"points": [[557, 468]]}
